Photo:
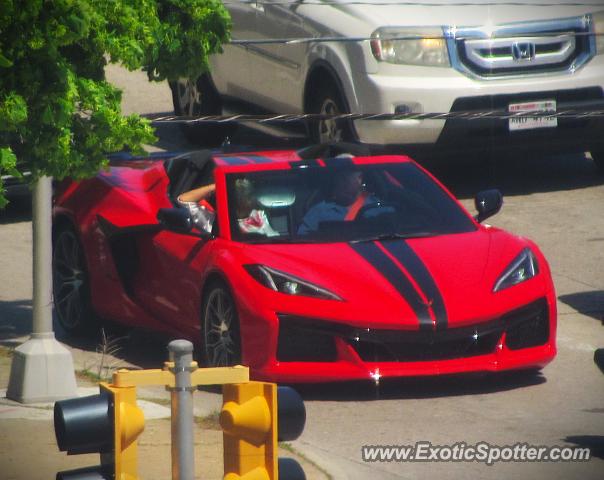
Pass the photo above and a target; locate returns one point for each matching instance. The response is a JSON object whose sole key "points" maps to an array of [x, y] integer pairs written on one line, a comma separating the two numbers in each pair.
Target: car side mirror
{"points": [[488, 203], [175, 219]]}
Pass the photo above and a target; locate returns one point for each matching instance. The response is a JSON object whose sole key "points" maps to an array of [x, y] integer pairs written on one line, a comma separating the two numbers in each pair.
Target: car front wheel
{"points": [[220, 328]]}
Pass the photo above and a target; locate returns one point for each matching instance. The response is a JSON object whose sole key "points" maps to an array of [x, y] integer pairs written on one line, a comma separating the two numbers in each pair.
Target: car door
{"points": [[230, 69], [276, 68], [169, 280]]}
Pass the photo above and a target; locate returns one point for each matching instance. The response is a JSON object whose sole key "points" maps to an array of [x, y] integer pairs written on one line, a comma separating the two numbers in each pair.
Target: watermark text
{"points": [[481, 452]]}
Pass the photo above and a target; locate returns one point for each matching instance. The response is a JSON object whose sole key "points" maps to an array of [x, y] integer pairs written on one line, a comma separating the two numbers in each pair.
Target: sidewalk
{"points": [[29, 450]]}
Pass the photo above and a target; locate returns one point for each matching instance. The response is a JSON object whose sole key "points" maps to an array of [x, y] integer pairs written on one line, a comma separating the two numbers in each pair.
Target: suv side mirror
{"points": [[175, 219], [488, 203], [599, 358]]}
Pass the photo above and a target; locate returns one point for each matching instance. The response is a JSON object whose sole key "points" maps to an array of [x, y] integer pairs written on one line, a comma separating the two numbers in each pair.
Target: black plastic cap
{"points": [[84, 425], [292, 414], [289, 469]]}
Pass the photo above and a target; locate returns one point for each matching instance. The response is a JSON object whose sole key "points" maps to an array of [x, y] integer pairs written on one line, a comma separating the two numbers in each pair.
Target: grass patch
{"points": [[289, 448], [88, 375], [209, 422]]}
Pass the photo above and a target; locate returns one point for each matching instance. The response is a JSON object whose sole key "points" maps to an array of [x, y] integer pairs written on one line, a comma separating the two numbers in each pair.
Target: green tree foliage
{"points": [[58, 114]]}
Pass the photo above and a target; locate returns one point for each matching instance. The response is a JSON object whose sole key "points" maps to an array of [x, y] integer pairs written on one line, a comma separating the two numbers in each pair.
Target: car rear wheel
{"points": [[329, 102], [71, 287], [195, 98], [220, 328], [598, 158]]}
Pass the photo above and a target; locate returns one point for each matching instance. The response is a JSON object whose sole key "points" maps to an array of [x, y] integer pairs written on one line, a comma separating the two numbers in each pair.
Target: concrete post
{"points": [[42, 368]]}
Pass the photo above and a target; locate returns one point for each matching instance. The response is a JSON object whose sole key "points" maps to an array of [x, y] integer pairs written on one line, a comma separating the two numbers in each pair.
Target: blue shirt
{"points": [[327, 211]]}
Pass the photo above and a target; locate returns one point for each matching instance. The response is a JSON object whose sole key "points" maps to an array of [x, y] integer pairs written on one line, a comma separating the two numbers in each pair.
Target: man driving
{"points": [[347, 198]]}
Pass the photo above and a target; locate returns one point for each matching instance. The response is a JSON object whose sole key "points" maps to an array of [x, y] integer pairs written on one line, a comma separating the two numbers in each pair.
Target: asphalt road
{"points": [[558, 202]]}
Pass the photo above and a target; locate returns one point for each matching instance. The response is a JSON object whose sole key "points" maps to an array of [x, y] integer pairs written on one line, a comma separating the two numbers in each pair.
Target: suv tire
{"points": [[329, 101], [200, 98]]}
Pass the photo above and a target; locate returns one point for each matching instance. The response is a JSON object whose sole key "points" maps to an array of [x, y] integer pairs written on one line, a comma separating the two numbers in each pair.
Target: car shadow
{"points": [[595, 443], [134, 347], [15, 321], [516, 175], [420, 387], [137, 347], [589, 303]]}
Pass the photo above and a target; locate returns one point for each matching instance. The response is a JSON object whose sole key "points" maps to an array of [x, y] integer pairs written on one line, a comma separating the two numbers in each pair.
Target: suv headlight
{"points": [[598, 20], [410, 46], [286, 283], [523, 267]]}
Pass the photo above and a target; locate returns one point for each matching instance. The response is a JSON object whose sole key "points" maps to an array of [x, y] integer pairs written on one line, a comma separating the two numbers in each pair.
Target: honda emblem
{"points": [[523, 51]]}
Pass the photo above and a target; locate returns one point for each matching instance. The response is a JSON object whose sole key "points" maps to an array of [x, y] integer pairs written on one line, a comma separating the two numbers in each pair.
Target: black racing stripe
{"points": [[258, 159], [380, 261], [234, 160], [401, 250]]}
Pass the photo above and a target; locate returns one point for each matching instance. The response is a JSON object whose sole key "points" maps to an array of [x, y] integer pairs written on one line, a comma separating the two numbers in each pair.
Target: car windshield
{"points": [[340, 204]]}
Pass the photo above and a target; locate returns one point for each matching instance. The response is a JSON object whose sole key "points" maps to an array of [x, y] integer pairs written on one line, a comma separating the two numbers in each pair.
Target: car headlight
{"points": [[598, 20], [410, 46], [286, 283], [523, 267]]}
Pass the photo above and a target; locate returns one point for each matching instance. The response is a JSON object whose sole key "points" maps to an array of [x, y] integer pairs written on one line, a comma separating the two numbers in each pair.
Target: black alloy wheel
{"points": [[220, 328]]}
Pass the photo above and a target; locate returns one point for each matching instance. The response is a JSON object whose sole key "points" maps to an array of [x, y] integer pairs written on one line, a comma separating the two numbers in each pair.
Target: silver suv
{"points": [[411, 57]]}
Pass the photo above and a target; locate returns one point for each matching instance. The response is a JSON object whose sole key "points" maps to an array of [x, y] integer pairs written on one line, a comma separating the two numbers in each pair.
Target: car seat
{"points": [[187, 171]]}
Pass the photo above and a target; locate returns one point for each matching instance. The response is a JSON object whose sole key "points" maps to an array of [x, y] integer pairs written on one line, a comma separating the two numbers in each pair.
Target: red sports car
{"points": [[323, 264]]}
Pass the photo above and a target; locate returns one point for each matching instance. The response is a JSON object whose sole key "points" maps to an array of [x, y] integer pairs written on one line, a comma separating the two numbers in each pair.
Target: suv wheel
{"points": [[193, 98], [329, 102]]}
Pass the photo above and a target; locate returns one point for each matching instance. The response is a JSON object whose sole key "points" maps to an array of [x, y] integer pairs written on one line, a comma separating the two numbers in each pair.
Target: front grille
{"points": [[306, 339], [470, 344], [522, 48]]}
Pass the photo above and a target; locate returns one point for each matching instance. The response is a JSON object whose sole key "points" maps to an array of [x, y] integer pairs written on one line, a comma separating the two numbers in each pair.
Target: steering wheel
{"points": [[385, 207]]}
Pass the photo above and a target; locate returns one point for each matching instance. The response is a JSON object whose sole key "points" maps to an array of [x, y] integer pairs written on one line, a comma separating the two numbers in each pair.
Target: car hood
{"points": [[440, 281], [455, 13]]}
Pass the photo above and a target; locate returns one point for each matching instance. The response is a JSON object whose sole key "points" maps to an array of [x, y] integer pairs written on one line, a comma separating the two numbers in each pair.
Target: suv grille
{"points": [[523, 48]]}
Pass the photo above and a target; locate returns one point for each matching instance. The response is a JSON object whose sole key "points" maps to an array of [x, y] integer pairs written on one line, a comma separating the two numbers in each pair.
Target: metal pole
{"points": [[183, 460]]}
